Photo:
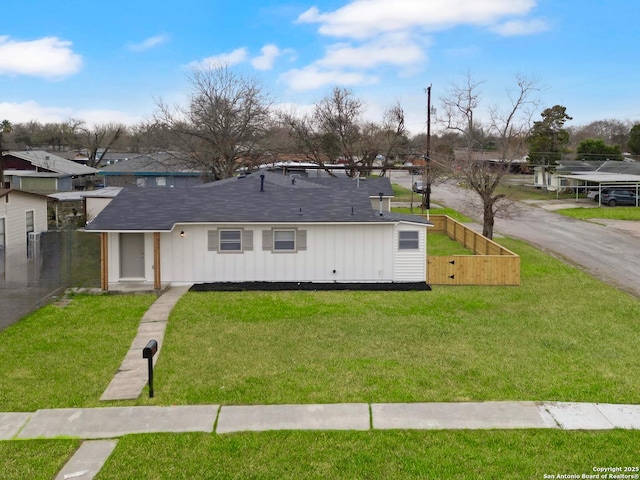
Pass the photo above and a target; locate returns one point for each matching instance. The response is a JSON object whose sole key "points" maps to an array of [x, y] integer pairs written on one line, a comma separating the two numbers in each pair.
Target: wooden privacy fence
{"points": [[491, 263]]}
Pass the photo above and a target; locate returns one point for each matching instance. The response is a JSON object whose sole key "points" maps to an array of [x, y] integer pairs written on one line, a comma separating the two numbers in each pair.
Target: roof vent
{"points": [[262, 182]]}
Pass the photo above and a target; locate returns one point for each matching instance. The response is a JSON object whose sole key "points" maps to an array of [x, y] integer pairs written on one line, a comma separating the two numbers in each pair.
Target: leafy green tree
{"points": [[548, 139], [634, 140], [596, 150]]}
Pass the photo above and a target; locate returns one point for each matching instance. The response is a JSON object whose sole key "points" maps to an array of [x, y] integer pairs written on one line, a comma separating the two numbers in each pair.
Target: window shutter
{"points": [[247, 240], [301, 240], [212, 240], [267, 240]]}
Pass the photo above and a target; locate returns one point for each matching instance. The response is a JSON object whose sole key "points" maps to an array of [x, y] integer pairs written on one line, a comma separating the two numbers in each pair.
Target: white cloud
{"points": [[31, 110], [239, 55], [149, 43], [47, 57], [391, 49], [265, 61], [521, 27], [368, 18], [312, 77]]}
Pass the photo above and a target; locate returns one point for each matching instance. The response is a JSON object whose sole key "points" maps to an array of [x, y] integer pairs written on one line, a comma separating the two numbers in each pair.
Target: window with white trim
{"points": [[409, 240]]}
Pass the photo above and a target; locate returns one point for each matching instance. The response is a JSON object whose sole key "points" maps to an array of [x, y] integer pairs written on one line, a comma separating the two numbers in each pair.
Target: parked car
{"points": [[419, 187], [618, 197], [594, 193]]}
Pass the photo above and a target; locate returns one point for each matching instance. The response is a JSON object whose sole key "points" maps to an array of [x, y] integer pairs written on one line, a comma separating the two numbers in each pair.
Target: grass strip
{"points": [[609, 213], [34, 459], [519, 454]]}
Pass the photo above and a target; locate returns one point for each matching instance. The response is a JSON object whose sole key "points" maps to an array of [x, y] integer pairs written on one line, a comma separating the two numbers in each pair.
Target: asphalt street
{"points": [[608, 253]]}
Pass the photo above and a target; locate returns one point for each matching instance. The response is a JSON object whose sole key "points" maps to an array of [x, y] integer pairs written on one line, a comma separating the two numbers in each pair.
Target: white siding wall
{"points": [[410, 265], [15, 215], [357, 253]]}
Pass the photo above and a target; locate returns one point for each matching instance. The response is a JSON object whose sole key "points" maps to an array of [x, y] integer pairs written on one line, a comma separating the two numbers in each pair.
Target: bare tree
{"points": [[394, 134], [99, 139], [223, 123], [336, 132], [306, 137], [509, 125], [338, 116]]}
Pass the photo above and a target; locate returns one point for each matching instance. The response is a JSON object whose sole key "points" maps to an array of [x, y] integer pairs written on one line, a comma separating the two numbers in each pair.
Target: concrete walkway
{"points": [[132, 375]]}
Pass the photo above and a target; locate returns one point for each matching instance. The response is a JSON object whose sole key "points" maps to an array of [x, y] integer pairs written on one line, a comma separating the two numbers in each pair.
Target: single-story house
{"points": [[151, 170], [558, 177], [42, 172], [23, 217], [261, 228]]}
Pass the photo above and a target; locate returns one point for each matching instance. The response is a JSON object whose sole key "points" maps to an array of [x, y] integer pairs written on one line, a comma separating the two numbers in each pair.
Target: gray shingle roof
{"points": [[146, 164], [51, 162], [241, 201]]}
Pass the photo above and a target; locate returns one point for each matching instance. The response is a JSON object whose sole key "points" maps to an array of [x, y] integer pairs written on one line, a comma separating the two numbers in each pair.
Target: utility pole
{"points": [[427, 196]]}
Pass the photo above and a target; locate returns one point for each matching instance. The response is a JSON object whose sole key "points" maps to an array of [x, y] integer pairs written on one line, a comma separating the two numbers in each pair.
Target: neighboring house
{"points": [[23, 217], [43, 172], [70, 207], [38, 182], [580, 174], [152, 170], [261, 228]]}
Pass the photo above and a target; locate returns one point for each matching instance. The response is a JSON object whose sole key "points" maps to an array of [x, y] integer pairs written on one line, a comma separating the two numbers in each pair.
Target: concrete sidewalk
{"points": [[113, 422], [102, 426]]}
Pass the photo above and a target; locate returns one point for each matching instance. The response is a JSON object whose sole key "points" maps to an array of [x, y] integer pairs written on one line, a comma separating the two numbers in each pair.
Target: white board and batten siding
{"points": [[333, 253]]}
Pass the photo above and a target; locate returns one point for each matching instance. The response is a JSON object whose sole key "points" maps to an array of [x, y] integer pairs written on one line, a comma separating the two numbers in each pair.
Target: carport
{"points": [[587, 181]]}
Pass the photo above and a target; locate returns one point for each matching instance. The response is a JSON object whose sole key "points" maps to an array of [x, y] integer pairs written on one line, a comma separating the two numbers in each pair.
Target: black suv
{"points": [[618, 197]]}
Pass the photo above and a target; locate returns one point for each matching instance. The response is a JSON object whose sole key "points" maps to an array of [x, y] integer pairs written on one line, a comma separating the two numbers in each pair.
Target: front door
{"points": [[132, 255]]}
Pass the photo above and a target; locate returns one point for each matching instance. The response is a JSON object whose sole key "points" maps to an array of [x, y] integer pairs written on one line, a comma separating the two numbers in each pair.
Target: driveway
{"points": [[607, 250]]}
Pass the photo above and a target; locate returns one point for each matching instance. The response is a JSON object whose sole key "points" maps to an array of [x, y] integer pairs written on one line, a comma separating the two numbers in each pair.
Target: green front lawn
{"points": [[560, 336], [520, 454], [65, 356]]}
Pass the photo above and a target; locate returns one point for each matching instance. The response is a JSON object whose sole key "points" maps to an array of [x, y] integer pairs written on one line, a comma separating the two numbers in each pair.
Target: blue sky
{"points": [[110, 61]]}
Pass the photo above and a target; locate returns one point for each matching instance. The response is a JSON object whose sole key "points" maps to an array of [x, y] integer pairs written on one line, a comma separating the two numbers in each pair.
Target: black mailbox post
{"points": [[148, 352]]}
